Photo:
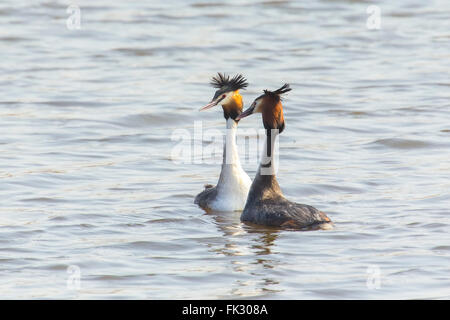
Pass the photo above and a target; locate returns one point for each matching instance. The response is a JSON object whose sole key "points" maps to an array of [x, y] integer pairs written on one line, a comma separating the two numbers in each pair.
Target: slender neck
{"points": [[230, 154], [265, 185], [269, 163], [231, 164]]}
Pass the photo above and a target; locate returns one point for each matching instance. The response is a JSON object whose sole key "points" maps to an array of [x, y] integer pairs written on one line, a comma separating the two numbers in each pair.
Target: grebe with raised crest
{"points": [[230, 193], [266, 204]]}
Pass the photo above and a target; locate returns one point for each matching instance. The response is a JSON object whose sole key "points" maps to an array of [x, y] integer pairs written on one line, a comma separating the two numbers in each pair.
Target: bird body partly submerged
{"points": [[230, 193], [266, 204]]}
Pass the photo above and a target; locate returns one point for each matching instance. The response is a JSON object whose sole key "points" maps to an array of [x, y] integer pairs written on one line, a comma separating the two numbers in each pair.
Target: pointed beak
{"points": [[211, 104], [247, 112]]}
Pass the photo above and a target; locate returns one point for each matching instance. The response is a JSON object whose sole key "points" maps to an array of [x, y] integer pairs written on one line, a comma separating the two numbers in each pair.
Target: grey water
{"points": [[93, 205]]}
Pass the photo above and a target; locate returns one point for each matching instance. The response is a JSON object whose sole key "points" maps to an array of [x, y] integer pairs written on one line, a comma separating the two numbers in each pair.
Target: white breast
{"points": [[234, 183]]}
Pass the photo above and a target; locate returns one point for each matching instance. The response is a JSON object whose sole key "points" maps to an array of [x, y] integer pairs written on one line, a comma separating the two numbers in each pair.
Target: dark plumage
{"points": [[206, 196], [285, 88], [222, 81], [224, 85], [276, 95], [266, 204]]}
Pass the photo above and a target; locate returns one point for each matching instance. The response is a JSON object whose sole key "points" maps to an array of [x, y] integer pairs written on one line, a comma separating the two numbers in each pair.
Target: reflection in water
{"points": [[87, 178], [251, 250]]}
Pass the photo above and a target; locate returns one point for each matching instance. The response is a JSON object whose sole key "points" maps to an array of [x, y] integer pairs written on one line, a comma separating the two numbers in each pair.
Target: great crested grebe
{"points": [[232, 188], [266, 204]]}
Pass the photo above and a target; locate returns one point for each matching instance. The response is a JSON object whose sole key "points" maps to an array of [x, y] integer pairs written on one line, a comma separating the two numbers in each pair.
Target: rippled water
{"points": [[87, 178]]}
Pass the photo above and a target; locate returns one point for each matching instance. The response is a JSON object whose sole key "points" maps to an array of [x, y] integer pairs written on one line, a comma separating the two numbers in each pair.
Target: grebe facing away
{"points": [[232, 188], [266, 204]]}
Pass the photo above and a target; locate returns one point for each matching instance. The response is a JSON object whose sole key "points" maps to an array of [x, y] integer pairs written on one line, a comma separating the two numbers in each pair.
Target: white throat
{"points": [[234, 183], [268, 164]]}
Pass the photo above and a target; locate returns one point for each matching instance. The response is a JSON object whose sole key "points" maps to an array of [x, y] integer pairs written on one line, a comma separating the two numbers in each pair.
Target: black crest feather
{"points": [[285, 88], [223, 81]]}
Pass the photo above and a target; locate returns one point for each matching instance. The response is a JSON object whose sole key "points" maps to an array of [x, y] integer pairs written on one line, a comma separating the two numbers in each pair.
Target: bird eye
{"points": [[224, 96]]}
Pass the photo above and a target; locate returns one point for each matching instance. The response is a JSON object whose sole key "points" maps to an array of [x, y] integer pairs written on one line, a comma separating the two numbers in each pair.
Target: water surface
{"points": [[87, 178]]}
